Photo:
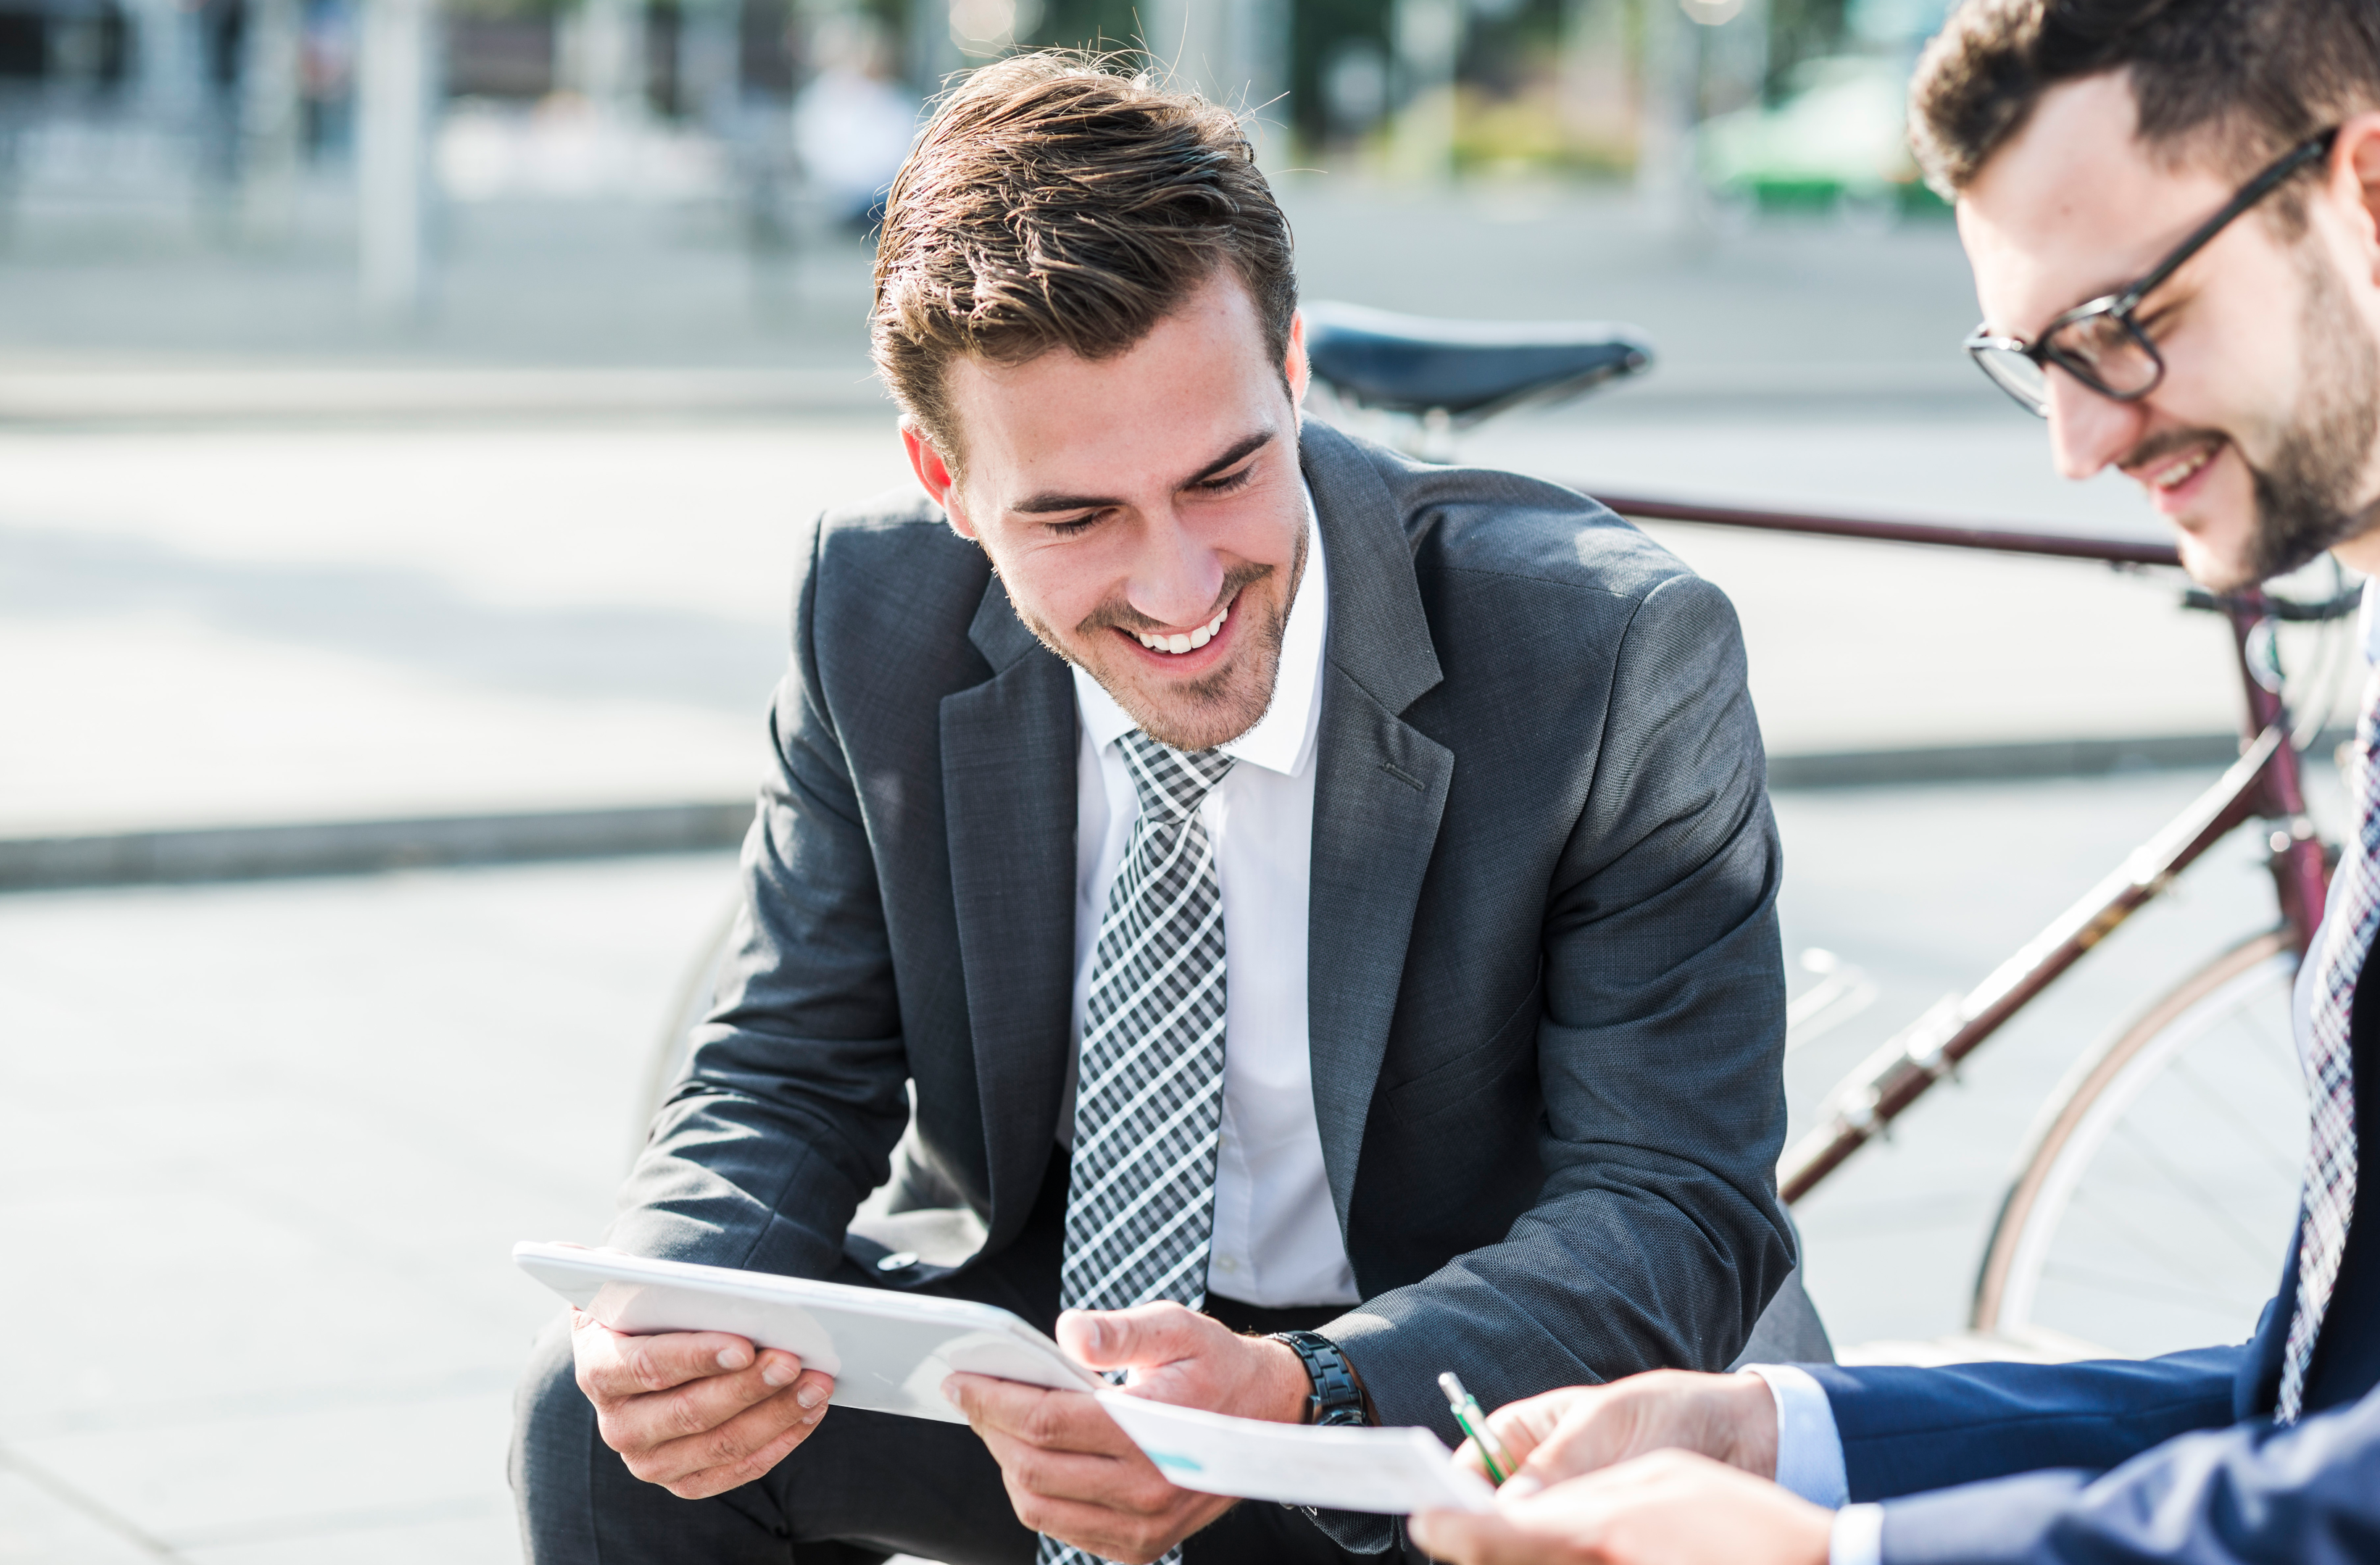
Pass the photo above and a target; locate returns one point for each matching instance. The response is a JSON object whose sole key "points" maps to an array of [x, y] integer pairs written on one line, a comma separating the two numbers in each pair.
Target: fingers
{"points": [[1525, 1426], [1146, 1334], [734, 1454], [641, 1423], [1029, 1415], [612, 1366], [1469, 1538]]}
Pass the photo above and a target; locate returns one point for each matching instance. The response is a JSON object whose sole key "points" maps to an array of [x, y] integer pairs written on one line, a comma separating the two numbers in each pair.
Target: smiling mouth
{"points": [[1180, 642], [2173, 474]]}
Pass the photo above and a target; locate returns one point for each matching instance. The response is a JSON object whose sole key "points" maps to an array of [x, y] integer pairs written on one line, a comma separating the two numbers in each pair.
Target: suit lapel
{"points": [[1379, 792], [1008, 785]]}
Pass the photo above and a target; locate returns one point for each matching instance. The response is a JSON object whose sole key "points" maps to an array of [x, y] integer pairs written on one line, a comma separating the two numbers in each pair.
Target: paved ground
{"points": [[270, 1142]]}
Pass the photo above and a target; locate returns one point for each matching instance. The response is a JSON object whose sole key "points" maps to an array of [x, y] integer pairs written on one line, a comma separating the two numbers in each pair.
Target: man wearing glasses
{"points": [[2203, 178]]}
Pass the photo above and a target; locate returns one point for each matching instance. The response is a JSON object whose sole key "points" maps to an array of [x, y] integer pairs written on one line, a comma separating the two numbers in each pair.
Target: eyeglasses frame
{"points": [[2121, 303]]}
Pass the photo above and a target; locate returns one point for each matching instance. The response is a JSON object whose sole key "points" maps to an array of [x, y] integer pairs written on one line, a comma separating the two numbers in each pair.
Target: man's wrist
{"points": [[1752, 1424], [1287, 1387]]}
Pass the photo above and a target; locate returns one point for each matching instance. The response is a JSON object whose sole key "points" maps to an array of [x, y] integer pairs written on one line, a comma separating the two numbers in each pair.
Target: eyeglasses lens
{"points": [[2016, 374], [2104, 350]]}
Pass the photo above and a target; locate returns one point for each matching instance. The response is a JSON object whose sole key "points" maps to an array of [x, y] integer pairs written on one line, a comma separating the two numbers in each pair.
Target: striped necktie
{"points": [[1141, 1204], [2329, 1196]]}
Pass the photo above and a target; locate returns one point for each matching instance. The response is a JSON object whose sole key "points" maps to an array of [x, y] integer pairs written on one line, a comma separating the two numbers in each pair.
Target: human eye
{"points": [[1226, 482], [1072, 526]]}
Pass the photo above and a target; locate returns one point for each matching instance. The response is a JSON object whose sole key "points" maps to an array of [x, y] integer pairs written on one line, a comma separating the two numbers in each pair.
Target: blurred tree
{"points": [[1089, 24], [1338, 84], [1798, 31]]}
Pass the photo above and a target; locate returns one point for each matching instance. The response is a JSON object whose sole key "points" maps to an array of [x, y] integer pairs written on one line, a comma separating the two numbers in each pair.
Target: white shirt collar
{"points": [[1283, 740], [2368, 620]]}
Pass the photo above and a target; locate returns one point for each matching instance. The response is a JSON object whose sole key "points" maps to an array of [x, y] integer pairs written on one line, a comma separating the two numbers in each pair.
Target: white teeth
{"points": [[1194, 640], [2174, 476]]}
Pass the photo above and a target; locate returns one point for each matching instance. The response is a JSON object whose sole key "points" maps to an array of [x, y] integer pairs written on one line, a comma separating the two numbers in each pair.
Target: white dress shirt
{"points": [[1276, 1236]]}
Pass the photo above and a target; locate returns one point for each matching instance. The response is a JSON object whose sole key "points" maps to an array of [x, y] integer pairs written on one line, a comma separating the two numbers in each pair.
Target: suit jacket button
{"points": [[899, 1260]]}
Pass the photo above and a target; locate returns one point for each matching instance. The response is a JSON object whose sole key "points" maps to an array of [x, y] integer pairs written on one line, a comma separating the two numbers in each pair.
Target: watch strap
{"points": [[1337, 1397]]}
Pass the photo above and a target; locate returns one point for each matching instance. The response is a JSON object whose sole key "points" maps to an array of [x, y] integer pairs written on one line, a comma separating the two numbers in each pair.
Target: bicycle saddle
{"points": [[1466, 368]]}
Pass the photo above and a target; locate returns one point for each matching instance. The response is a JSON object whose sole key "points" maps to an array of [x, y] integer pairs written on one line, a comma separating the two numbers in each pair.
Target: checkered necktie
{"points": [[1141, 1207], [2329, 1196]]}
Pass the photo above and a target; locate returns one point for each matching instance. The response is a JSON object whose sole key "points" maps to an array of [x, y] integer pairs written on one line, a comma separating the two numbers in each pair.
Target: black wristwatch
{"points": [[1338, 1396]]}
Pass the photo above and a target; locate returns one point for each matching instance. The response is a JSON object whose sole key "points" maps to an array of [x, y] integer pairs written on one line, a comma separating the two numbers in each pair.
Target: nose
{"points": [[1176, 575], [2088, 431]]}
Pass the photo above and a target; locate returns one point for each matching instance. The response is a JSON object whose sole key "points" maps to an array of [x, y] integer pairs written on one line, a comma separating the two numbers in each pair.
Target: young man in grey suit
{"points": [[1322, 907], [2173, 210]]}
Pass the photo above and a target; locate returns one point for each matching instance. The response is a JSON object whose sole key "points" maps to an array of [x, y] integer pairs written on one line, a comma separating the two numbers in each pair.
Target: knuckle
{"points": [[682, 1417], [1044, 1424], [645, 1370]]}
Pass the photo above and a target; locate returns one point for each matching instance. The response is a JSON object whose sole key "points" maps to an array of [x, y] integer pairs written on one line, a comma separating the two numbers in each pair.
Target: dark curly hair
{"points": [[1062, 200], [2237, 82]]}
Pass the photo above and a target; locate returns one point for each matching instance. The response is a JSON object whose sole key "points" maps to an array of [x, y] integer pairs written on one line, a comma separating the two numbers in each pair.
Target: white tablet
{"points": [[887, 1351]]}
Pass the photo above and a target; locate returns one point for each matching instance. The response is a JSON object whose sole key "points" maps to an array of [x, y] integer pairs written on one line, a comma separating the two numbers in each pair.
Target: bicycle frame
{"points": [[2265, 783]]}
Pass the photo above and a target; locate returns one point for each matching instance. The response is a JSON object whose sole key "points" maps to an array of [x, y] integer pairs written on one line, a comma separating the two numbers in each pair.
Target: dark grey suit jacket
{"points": [[1546, 1001]]}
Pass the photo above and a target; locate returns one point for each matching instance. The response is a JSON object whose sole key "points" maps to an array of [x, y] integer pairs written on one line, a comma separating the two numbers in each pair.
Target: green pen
{"points": [[1474, 1422]]}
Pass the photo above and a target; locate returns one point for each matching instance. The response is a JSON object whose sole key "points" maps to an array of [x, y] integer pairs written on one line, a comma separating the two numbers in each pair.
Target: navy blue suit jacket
{"points": [[2170, 1459]]}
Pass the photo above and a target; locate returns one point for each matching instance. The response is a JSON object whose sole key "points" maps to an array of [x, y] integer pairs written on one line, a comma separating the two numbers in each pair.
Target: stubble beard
{"points": [[1206, 713], [2307, 492]]}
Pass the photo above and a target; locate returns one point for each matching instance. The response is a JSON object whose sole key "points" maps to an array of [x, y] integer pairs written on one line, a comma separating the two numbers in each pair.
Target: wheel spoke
{"points": [[2240, 1232], [2286, 1166]]}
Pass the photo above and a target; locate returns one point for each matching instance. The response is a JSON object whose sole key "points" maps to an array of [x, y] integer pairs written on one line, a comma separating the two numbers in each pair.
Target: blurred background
{"points": [[406, 411]]}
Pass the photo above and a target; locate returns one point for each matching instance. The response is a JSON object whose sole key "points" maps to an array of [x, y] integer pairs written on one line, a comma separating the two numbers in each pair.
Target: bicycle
{"points": [[2191, 1109]]}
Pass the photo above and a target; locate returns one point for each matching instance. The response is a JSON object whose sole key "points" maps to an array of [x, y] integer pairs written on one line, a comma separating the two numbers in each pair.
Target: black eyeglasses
{"points": [[2099, 344]]}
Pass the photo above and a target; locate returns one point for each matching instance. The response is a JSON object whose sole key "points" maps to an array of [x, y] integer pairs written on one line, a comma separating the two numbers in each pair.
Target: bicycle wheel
{"points": [[2157, 1194]]}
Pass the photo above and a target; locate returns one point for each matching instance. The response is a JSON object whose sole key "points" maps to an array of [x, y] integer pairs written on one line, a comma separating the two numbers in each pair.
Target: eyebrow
{"points": [[1042, 505]]}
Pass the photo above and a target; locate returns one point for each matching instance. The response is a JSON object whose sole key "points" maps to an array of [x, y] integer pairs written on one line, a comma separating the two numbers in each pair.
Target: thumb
{"points": [[1146, 1334]]}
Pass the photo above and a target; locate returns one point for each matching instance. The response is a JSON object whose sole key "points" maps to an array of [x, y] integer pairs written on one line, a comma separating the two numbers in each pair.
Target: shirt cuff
{"points": [[1809, 1451], [1858, 1538]]}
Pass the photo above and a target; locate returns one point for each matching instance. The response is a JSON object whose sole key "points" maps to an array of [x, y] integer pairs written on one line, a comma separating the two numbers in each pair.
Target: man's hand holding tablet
{"points": [[698, 1412]]}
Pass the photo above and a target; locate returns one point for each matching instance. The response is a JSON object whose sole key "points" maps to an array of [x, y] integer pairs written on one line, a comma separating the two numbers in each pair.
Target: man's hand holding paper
{"points": [[1072, 1473]]}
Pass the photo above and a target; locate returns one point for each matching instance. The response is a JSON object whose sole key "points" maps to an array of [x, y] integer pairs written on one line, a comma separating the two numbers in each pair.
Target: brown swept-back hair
{"points": [[1064, 201], [2236, 82]]}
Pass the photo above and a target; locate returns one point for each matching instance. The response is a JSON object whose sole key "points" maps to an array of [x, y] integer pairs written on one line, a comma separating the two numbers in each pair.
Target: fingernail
{"points": [[1520, 1485], [810, 1395], [780, 1373], [734, 1358]]}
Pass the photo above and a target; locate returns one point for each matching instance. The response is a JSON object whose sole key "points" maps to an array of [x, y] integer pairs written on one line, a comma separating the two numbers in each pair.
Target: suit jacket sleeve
{"points": [[2246, 1495], [1905, 1429], [795, 1094], [1656, 1238]]}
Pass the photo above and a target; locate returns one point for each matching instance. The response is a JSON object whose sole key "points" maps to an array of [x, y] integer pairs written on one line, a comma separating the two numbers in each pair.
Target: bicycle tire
{"points": [[2249, 984]]}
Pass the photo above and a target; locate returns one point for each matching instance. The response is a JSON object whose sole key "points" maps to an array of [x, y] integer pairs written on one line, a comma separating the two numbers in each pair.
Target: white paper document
{"points": [[1395, 1472]]}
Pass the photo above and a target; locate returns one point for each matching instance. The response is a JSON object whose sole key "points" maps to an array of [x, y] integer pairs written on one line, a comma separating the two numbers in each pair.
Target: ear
{"points": [[935, 477], [2355, 177], [1295, 370]]}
